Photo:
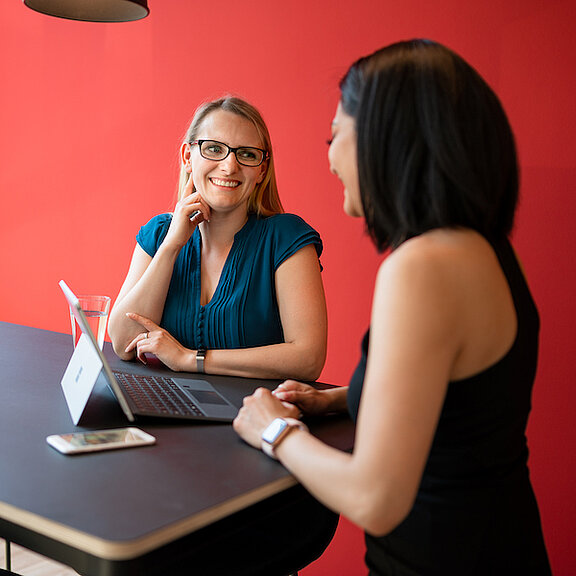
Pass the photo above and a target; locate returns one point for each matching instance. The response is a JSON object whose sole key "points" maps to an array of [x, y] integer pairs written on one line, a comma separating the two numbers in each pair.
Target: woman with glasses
{"points": [[227, 283], [438, 478]]}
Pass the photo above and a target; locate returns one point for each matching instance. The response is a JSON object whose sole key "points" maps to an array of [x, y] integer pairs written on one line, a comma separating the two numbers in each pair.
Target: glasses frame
{"points": [[265, 154]]}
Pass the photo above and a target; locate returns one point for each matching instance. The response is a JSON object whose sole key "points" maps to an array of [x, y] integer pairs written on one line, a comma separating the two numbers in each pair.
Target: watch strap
{"points": [[200, 357]]}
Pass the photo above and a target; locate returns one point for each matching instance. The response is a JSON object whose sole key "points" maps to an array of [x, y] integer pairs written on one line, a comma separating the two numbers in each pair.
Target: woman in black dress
{"points": [[438, 478]]}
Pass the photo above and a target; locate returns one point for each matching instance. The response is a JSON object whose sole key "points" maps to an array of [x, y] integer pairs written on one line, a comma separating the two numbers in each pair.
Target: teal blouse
{"points": [[243, 311]]}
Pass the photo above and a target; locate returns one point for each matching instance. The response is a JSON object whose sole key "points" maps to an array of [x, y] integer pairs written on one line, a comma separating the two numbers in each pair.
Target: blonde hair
{"points": [[264, 200]]}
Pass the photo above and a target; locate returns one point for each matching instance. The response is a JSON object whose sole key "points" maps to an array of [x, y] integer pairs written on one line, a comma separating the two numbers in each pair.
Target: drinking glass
{"points": [[96, 309]]}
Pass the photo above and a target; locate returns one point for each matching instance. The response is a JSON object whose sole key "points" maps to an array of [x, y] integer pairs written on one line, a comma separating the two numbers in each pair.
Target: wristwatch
{"points": [[200, 357], [276, 431]]}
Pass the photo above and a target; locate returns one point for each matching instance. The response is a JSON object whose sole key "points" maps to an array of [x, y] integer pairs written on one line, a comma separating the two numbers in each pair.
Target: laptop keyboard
{"points": [[157, 395]]}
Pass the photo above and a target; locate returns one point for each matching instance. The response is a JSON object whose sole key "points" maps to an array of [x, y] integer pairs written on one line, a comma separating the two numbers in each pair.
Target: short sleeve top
{"points": [[243, 311]]}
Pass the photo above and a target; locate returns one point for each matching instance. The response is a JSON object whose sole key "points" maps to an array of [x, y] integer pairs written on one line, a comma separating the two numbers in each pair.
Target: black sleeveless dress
{"points": [[475, 512]]}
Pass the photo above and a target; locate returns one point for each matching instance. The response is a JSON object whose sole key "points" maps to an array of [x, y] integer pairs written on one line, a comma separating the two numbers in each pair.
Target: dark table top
{"points": [[119, 505]]}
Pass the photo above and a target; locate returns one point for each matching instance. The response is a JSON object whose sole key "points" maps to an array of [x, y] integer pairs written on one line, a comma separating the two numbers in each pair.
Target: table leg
{"points": [[8, 556]]}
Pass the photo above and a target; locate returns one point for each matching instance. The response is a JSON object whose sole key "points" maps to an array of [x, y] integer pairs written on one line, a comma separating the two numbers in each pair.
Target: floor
{"points": [[26, 563]]}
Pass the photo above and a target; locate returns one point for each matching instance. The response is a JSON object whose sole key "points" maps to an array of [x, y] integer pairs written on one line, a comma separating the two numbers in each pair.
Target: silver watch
{"points": [[200, 357], [276, 431]]}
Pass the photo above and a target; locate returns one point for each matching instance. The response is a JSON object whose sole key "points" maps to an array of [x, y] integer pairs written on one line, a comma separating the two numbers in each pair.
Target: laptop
{"points": [[138, 395]]}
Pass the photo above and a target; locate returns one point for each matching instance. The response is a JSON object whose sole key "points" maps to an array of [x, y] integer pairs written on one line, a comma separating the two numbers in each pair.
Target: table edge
{"points": [[128, 549]]}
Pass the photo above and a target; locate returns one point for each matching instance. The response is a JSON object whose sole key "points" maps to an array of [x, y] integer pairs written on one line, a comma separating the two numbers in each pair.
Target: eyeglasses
{"points": [[245, 155]]}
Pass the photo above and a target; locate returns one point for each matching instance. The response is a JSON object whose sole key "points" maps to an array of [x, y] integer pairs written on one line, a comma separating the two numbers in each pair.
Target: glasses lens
{"points": [[249, 156], [213, 150]]}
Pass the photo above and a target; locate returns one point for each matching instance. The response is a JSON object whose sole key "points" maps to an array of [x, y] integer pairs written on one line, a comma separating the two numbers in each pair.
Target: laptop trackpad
{"points": [[207, 398]]}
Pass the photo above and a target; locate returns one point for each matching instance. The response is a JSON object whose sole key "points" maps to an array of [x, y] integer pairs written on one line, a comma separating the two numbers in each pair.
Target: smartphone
{"points": [[77, 442]]}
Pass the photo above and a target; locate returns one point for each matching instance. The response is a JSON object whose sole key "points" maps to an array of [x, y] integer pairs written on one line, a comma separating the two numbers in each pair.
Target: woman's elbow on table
{"points": [[119, 342], [311, 362], [120, 350], [313, 369]]}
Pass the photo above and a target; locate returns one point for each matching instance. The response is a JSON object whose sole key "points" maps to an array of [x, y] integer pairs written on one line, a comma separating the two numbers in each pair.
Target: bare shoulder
{"points": [[452, 256], [454, 280]]}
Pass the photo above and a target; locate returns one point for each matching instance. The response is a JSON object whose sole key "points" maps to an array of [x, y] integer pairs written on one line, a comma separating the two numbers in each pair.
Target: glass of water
{"points": [[96, 309]]}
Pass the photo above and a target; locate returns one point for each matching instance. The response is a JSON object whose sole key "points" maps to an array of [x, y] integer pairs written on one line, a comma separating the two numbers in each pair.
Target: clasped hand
{"points": [[290, 399]]}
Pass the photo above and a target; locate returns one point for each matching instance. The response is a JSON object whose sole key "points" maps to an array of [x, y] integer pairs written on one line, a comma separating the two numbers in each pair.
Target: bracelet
{"points": [[200, 357]]}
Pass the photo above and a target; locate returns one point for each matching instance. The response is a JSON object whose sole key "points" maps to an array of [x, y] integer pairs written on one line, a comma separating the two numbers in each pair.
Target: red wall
{"points": [[90, 121]]}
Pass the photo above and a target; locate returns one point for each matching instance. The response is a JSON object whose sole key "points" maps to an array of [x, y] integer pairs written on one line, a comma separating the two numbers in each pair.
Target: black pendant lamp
{"points": [[92, 10]]}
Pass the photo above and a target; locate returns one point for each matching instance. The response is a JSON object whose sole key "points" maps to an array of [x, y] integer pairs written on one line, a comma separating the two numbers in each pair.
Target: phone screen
{"points": [[99, 440]]}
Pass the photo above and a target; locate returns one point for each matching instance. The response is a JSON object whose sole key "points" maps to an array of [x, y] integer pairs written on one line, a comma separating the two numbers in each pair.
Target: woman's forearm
{"points": [[277, 361], [144, 292]]}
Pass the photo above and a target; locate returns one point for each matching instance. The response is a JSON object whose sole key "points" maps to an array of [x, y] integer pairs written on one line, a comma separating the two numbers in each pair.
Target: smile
{"points": [[225, 183]]}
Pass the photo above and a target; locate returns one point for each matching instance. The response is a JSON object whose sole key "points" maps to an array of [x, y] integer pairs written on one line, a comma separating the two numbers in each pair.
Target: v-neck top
{"points": [[243, 311]]}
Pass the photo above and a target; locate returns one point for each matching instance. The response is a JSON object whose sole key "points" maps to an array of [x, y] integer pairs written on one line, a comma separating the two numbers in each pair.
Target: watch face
{"points": [[274, 430]]}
